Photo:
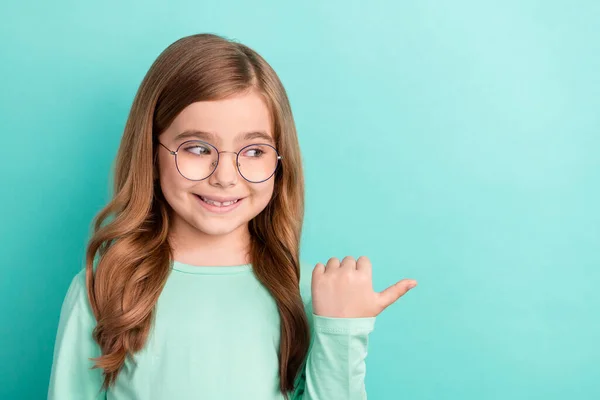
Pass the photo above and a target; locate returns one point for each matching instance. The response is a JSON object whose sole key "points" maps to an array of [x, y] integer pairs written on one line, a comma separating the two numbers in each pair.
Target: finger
{"points": [[318, 269], [332, 263], [397, 290], [348, 263], [363, 264]]}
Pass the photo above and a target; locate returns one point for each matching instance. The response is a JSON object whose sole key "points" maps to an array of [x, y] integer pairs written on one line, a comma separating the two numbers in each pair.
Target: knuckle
{"points": [[348, 275], [362, 276]]}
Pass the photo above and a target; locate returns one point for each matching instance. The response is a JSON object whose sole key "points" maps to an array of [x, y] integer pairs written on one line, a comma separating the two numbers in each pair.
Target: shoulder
{"points": [[77, 287], [76, 300]]}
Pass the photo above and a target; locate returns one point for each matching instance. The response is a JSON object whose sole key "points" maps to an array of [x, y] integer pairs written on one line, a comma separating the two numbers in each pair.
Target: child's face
{"points": [[225, 120]]}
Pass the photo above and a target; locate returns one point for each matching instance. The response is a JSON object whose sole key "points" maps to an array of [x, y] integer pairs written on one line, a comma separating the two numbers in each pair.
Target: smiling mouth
{"points": [[218, 206], [217, 203]]}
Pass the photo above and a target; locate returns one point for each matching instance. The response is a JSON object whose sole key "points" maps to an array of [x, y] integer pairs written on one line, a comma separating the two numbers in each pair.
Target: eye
{"points": [[197, 149], [254, 152]]}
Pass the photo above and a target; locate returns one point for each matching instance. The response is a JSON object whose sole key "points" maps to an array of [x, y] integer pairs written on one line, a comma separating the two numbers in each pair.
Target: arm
{"points": [[335, 367], [71, 376]]}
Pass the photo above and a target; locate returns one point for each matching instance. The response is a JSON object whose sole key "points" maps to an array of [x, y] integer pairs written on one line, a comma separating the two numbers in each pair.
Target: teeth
{"points": [[218, 204]]}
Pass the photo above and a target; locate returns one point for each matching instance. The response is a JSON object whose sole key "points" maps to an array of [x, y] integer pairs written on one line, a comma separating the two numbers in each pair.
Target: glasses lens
{"points": [[257, 162], [196, 160]]}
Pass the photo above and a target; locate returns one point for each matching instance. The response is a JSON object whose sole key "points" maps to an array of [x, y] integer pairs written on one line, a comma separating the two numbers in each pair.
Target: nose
{"points": [[226, 173]]}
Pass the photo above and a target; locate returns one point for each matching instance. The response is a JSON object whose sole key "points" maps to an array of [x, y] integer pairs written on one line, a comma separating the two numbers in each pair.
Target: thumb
{"points": [[397, 290]]}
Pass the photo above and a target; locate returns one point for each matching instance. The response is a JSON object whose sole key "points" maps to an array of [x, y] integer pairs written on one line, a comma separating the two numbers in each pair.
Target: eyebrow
{"points": [[209, 136]]}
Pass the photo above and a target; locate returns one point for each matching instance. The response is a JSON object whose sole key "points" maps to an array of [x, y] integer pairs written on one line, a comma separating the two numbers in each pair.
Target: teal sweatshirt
{"points": [[215, 337]]}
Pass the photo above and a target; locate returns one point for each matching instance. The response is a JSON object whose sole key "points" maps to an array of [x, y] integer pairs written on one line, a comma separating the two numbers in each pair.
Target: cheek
{"points": [[165, 166], [263, 193], [171, 182]]}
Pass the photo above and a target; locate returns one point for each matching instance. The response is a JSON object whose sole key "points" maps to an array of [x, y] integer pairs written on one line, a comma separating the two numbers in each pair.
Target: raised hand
{"points": [[345, 289]]}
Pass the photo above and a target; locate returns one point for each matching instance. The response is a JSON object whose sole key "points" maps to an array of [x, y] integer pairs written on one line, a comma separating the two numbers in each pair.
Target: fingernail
{"points": [[412, 285]]}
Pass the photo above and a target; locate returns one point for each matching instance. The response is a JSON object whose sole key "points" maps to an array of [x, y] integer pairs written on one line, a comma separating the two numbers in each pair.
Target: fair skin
{"points": [[200, 237], [345, 289]]}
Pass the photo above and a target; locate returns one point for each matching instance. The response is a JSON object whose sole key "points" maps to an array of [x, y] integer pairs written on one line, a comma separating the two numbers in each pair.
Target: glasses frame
{"points": [[237, 156]]}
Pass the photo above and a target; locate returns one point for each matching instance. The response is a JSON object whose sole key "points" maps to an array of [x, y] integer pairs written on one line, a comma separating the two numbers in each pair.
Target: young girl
{"points": [[193, 287]]}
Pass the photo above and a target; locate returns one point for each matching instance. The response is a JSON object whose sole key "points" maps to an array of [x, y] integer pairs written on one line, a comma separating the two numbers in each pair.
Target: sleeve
{"points": [[71, 376], [335, 366]]}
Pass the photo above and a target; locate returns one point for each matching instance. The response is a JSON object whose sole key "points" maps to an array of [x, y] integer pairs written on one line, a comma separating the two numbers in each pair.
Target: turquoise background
{"points": [[453, 142]]}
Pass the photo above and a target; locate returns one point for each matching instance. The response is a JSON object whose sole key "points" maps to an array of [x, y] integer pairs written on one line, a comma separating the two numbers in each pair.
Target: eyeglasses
{"points": [[196, 160]]}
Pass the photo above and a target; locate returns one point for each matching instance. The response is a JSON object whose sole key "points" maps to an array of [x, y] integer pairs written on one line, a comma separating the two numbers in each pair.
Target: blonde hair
{"points": [[130, 235]]}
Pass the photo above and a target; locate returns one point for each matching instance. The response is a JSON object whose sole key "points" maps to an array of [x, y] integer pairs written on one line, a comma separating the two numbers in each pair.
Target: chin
{"points": [[216, 228]]}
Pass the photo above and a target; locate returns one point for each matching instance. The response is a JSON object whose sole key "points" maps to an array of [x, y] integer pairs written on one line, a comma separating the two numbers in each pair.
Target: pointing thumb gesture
{"points": [[394, 292], [345, 289]]}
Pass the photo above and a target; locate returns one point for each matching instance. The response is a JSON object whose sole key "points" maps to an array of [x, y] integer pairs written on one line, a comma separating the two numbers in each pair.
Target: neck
{"points": [[192, 246]]}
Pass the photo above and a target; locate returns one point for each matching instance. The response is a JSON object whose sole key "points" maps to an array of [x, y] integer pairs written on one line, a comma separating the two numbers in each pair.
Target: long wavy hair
{"points": [[128, 255]]}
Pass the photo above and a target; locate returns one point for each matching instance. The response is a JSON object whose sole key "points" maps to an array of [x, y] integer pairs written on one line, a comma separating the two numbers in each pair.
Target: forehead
{"points": [[234, 119]]}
